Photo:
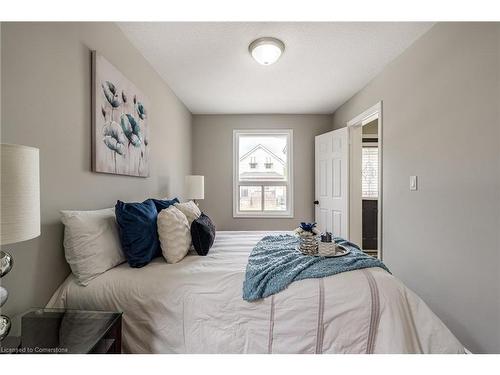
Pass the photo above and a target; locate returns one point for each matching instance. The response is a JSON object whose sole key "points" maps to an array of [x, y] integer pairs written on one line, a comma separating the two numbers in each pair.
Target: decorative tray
{"points": [[341, 251]]}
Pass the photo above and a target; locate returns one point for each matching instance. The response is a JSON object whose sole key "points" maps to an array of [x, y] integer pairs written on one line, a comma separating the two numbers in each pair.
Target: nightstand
{"points": [[68, 332]]}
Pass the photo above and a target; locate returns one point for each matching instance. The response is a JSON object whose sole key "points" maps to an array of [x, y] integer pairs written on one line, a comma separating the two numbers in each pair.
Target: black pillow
{"points": [[202, 234]]}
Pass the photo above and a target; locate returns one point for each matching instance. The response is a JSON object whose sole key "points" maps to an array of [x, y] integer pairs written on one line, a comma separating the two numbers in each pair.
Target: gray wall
{"points": [[213, 158], [441, 101], [46, 104]]}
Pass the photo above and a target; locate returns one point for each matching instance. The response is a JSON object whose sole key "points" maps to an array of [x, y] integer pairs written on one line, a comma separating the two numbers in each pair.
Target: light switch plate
{"points": [[413, 183]]}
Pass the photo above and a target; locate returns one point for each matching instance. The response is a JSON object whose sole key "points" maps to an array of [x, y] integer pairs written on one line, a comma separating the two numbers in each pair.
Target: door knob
{"points": [[316, 202]]}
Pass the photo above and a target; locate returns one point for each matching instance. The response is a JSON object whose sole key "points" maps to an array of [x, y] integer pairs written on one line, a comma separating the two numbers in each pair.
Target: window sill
{"points": [[256, 216]]}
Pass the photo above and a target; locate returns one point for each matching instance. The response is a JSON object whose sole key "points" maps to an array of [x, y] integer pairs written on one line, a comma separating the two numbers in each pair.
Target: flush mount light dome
{"points": [[266, 51]]}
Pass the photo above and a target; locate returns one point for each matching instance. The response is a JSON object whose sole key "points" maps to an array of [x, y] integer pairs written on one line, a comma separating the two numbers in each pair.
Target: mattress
{"points": [[196, 306]]}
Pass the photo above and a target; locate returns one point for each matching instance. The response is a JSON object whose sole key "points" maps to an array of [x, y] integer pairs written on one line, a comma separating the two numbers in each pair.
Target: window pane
{"points": [[262, 157], [250, 198], [275, 198], [369, 172]]}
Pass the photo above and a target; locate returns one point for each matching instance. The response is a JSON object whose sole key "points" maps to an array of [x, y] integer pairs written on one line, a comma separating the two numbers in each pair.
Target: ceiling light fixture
{"points": [[267, 50]]}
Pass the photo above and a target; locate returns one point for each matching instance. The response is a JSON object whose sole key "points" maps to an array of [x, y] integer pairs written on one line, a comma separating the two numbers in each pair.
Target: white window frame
{"points": [[236, 183]]}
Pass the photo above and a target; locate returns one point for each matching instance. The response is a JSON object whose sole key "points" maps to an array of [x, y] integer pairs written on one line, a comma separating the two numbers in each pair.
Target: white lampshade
{"points": [[20, 193], [195, 187]]}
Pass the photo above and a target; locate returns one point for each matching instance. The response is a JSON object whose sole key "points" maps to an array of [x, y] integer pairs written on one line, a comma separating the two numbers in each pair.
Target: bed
{"points": [[196, 306]]}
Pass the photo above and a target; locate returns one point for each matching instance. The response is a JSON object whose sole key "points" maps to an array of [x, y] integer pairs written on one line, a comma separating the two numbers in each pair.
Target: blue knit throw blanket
{"points": [[275, 263]]}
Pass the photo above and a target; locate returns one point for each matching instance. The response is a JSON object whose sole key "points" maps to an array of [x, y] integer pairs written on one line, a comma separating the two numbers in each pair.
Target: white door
{"points": [[331, 182]]}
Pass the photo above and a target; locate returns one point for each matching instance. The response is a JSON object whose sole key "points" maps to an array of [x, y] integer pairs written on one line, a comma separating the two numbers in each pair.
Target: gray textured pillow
{"points": [[173, 230], [190, 209]]}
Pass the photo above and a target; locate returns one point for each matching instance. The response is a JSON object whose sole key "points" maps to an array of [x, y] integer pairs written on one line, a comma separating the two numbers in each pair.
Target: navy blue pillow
{"points": [[138, 233], [161, 204]]}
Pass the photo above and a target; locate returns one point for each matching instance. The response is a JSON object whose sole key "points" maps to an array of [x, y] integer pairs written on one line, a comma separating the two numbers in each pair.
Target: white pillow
{"points": [[174, 233], [190, 209], [91, 243]]}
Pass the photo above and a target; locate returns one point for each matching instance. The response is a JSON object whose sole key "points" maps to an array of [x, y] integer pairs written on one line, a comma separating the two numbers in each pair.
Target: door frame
{"points": [[361, 119]]}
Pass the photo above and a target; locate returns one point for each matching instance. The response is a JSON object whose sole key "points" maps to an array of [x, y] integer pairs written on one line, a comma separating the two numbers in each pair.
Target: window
{"points": [[253, 162], [369, 172], [263, 182], [269, 163]]}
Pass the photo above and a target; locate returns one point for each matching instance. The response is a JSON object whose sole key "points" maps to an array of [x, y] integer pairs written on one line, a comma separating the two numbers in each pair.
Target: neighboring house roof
{"points": [[266, 150]]}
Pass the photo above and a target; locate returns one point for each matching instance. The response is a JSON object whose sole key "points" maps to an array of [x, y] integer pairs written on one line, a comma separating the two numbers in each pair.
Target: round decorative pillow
{"points": [[174, 233]]}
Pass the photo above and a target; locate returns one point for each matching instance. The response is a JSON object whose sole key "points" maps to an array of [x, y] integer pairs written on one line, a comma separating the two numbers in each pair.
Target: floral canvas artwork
{"points": [[120, 131]]}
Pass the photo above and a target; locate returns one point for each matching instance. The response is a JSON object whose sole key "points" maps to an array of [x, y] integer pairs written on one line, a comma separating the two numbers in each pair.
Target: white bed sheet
{"points": [[196, 306]]}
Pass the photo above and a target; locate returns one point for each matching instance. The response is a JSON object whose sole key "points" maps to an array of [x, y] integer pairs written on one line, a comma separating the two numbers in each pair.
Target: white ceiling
{"points": [[209, 67]]}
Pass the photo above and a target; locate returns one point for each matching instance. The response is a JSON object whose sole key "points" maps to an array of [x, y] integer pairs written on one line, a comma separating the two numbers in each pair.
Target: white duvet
{"points": [[196, 306]]}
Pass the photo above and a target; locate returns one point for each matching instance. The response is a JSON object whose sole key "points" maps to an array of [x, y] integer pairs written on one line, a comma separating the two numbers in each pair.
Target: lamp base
{"points": [[5, 325], [6, 263]]}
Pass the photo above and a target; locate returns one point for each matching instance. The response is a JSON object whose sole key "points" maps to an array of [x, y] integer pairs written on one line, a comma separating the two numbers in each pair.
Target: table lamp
{"points": [[194, 187], [20, 208]]}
